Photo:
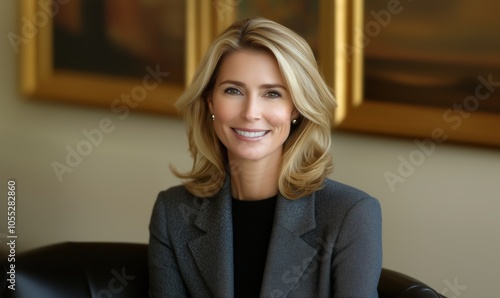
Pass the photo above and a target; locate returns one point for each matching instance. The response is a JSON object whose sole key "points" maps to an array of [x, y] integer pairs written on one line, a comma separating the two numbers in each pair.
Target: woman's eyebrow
{"points": [[269, 86], [237, 83], [263, 86]]}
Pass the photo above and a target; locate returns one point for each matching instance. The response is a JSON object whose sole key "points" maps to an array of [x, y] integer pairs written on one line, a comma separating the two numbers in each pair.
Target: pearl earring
{"points": [[213, 117], [294, 121]]}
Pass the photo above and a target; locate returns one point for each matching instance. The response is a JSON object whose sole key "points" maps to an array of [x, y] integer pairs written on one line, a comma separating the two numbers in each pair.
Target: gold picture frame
{"points": [[41, 80], [436, 119]]}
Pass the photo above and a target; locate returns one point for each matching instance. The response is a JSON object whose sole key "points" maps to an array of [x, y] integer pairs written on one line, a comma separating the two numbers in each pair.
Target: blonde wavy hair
{"points": [[306, 159]]}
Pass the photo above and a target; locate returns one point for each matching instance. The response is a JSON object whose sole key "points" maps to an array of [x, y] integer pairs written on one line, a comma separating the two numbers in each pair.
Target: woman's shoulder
{"points": [[176, 205], [174, 197], [177, 191], [338, 195], [339, 205]]}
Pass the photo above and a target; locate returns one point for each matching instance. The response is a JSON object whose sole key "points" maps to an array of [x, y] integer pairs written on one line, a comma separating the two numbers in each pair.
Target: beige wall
{"points": [[441, 225]]}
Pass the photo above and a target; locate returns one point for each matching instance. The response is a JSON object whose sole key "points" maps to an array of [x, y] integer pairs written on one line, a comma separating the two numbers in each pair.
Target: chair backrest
{"points": [[80, 270]]}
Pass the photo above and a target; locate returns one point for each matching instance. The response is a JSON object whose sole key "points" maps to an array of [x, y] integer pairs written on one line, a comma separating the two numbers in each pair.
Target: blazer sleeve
{"points": [[164, 276], [357, 261]]}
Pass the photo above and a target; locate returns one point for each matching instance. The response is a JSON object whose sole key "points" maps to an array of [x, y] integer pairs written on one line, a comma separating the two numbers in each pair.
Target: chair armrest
{"points": [[393, 284]]}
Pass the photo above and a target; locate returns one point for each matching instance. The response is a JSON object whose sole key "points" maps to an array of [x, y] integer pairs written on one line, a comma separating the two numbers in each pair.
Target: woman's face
{"points": [[252, 107]]}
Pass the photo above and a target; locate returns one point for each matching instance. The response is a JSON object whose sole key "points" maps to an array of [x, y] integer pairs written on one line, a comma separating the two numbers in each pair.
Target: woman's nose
{"points": [[252, 108]]}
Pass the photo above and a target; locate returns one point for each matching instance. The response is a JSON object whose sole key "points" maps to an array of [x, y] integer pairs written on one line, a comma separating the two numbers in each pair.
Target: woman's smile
{"points": [[251, 134]]}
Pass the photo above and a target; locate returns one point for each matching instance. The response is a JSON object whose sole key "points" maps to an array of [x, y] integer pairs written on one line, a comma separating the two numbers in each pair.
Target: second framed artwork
{"points": [[323, 23]]}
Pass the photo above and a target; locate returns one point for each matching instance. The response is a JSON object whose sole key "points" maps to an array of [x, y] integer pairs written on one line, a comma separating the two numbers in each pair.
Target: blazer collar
{"points": [[213, 251], [288, 255]]}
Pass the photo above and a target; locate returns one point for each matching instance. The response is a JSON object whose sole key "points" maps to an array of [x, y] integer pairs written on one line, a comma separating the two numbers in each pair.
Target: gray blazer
{"points": [[324, 245]]}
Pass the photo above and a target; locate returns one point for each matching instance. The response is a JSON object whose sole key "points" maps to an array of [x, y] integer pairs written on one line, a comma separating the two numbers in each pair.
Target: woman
{"points": [[257, 215]]}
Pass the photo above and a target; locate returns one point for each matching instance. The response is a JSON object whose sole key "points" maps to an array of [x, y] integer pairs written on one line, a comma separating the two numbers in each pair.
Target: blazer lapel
{"points": [[288, 255], [213, 251]]}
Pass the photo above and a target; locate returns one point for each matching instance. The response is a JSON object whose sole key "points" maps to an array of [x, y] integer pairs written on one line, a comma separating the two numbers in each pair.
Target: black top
{"points": [[252, 225]]}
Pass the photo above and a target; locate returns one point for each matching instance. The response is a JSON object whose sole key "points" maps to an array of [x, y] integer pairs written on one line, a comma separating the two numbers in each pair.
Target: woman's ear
{"points": [[210, 103]]}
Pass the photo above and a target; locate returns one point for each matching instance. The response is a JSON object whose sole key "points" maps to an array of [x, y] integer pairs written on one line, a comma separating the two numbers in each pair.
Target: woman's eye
{"points": [[273, 94], [232, 91]]}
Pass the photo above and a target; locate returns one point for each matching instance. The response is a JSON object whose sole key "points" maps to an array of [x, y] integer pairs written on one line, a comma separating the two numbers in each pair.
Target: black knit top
{"points": [[252, 225]]}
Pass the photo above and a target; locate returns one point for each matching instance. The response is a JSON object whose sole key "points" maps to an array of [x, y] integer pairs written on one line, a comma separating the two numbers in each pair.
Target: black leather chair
{"points": [[120, 270]]}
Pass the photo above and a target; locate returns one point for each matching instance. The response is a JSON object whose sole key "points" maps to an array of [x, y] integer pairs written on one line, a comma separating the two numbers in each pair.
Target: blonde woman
{"points": [[256, 215]]}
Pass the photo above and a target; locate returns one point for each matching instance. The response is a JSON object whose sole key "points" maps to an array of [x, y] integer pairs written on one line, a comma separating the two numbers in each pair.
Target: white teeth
{"points": [[250, 134]]}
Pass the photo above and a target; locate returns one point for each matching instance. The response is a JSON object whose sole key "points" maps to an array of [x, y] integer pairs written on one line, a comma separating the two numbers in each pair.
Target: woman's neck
{"points": [[254, 180]]}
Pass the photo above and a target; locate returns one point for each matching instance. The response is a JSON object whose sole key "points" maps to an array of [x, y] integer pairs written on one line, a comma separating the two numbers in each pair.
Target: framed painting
{"points": [[323, 23], [121, 54], [425, 70]]}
